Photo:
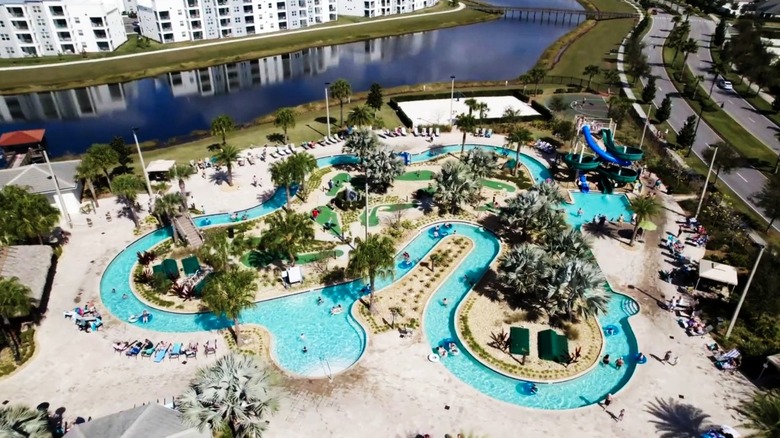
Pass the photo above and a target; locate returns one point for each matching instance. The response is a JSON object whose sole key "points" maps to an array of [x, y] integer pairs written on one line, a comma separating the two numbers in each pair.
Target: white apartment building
{"points": [[379, 8], [169, 21], [53, 27]]}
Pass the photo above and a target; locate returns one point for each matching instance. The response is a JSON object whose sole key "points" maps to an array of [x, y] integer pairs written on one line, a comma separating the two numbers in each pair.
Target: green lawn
{"points": [[256, 259], [373, 218], [498, 185], [338, 183], [612, 6], [418, 175], [328, 216]]}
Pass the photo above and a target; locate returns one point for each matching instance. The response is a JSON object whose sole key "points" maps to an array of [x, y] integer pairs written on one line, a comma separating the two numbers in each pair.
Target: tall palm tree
{"points": [[23, 422], [227, 156], [577, 288], [590, 71], [301, 165], [88, 171], [216, 250], [550, 193], [512, 115], [362, 143], [282, 174], [524, 270], [126, 187], [167, 207], [530, 213], [611, 76], [645, 208], [569, 243], [15, 301], [181, 172], [455, 184], [230, 292], [762, 414], [471, 103], [25, 215], [288, 233], [104, 157], [284, 118], [466, 124], [384, 167], [518, 136], [222, 125], [341, 91], [481, 164], [235, 393], [372, 258], [690, 46], [482, 109], [360, 116], [537, 75]]}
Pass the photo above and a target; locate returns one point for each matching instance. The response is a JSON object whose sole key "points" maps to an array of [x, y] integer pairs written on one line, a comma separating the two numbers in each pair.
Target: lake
{"points": [[179, 103]]}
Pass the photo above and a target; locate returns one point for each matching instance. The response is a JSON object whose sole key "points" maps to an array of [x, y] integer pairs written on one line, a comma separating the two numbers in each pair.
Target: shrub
{"points": [[572, 332]]}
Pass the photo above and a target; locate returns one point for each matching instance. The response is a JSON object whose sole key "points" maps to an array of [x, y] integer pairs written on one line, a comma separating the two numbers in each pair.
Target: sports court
{"points": [[435, 111], [593, 106]]}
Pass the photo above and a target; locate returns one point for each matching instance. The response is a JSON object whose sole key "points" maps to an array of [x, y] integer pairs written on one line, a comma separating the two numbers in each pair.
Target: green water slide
{"points": [[588, 162], [619, 174], [622, 152]]}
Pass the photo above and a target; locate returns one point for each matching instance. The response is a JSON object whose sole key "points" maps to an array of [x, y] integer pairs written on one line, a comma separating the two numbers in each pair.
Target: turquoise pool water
{"points": [[593, 204], [335, 342]]}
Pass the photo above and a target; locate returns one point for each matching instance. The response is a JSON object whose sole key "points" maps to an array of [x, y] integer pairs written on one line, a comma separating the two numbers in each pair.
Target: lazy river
{"points": [[335, 342]]}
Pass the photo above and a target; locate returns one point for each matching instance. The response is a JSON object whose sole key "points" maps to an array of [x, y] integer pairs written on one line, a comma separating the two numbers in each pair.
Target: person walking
{"points": [[668, 356], [607, 401], [621, 415], [679, 231]]}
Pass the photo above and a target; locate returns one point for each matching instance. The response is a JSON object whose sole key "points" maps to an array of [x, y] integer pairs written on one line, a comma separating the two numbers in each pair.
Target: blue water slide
{"points": [[603, 154]]}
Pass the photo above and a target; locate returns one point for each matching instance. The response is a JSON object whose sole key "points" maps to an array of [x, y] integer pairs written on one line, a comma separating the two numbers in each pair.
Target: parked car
{"points": [[724, 84]]}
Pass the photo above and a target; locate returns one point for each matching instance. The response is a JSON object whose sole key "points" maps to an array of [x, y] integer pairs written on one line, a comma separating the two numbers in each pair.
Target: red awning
{"points": [[16, 138]]}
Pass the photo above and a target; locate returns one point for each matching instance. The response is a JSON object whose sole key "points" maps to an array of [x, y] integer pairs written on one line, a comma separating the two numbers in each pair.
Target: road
{"points": [[744, 181], [737, 108]]}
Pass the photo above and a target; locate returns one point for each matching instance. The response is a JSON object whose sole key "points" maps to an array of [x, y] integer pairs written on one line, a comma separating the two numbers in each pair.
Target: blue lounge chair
{"points": [[135, 349], [175, 351], [148, 349], [161, 352]]}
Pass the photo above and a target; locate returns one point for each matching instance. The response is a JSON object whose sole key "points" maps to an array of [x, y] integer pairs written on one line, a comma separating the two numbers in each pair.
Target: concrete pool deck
{"points": [[393, 390]]}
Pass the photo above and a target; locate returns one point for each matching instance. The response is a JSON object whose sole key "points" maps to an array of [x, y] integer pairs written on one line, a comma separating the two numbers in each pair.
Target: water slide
{"points": [[620, 151], [603, 154]]}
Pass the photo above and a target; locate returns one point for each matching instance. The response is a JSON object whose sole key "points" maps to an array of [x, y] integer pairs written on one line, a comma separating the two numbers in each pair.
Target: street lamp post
{"points": [[647, 122], [57, 190], [706, 182], [143, 165], [366, 202], [695, 131], [327, 107], [760, 242], [452, 96]]}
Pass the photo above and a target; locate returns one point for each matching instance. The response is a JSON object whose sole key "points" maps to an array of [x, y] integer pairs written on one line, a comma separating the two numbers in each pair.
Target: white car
{"points": [[724, 84]]}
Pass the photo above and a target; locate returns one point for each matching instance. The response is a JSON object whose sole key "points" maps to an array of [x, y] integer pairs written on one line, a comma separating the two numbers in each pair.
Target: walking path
{"points": [[460, 7]]}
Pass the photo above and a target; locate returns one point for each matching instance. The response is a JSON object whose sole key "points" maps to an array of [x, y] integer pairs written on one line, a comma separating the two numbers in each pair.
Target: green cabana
{"points": [[552, 346], [158, 269], [191, 266], [519, 341], [170, 267]]}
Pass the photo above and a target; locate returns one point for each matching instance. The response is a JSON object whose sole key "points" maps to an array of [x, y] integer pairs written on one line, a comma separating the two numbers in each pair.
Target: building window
{"points": [[237, 9], [238, 19], [270, 5], [9, 50], [294, 13], [76, 20], [181, 23], [181, 12], [81, 33], [184, 34]]}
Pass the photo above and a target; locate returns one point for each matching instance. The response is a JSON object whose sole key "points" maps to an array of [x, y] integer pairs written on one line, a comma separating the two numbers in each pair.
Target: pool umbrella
{"points": [[648, 225]]}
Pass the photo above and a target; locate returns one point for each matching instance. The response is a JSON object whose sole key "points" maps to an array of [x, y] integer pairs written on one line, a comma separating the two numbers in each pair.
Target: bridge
{"points": [[551, 14]]}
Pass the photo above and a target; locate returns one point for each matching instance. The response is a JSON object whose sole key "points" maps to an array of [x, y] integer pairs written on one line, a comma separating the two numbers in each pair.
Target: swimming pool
{"points": [[596, 204], [335, 342]]}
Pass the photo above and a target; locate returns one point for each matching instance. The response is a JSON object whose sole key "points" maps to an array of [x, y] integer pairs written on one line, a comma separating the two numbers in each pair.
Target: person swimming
{"points": [[320, 300], [335, 310]]}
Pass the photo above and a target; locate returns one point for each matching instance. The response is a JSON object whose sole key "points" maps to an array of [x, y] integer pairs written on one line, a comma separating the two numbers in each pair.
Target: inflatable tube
{"points": [[132, 318], [433, 357], [641, 360], [611, 330]]}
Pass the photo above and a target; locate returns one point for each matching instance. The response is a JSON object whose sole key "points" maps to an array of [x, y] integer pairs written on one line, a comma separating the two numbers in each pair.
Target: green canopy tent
{"points": [[519, 341], [552, 346]]}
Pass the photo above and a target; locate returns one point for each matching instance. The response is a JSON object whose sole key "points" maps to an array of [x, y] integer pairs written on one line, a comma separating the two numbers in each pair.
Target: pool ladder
{"points": [[326, 367], [630, 307]]}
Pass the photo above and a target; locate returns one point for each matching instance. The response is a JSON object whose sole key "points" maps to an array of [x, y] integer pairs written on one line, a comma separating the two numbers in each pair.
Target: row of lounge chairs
{"points": [[326, 141], [397, 132], [482, 132], [159, 351], [426, 132]]}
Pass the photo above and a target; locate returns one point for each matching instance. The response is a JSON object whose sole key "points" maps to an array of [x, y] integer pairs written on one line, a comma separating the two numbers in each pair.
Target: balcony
{"points": [[248, 9], [225, 22], [224, 12], [64, 36], [250, 30], [68, 48], [192, 3], [331, 8], [281, 6], [100, 34], [249, 19], [195, 25], [167, 38], [24, 38], [20, 25], [166, 27], [197, 36], [226, 33], [164, 16], [61, 24], [16, 12], [57, 11], [301, 3], [97, 23], [281, 16], [222, 2], [194, 14], [104, 47]]}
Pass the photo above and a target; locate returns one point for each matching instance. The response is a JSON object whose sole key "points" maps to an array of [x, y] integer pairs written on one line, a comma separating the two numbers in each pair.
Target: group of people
{"points": [[618, 363], [452, 348], [437, 232], [87, 318], [234, 217]]}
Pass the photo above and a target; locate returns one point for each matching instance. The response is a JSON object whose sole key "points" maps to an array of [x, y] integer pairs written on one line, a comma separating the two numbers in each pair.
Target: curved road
{"points": [[744, 181]]}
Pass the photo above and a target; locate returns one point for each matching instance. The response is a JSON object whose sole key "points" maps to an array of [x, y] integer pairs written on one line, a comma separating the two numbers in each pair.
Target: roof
{"points": [[294, 275], [16, 138], [519, 341], [770, 7], [718, 272], [29, 263], [160, 166], [146, 421], [38, 178]]}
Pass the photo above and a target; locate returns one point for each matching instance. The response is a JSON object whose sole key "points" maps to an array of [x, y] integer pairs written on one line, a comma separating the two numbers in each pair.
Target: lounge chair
{"points": [[731, 354], [175, 351], [210, 348], [191, 351], [134, 349], [250, 159], [161, 352], [489, 133], [403, 132], [334, 139], [416, 132], [120, 347], [437, 132], [149, 349], [274, 155]]}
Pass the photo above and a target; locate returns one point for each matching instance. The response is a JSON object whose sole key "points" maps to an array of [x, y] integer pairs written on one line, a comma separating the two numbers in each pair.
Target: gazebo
{"points": [[158, 169], [717, 272]]}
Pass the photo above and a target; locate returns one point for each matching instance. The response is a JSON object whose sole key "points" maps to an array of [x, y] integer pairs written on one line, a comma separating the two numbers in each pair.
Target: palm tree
{"points": [[227, 156], [284, 118], [519, 136], [216, 250], [167, 207], [472, 104], [15, 301], [181, 172], [687, 48], [645, 208], [466, 124], [384, 167], [512, 115], [288, 233], [360, 116], [570, 243], [104, 157], [341, 91], [482, 109], [480, 162], [611, 76], [435, 259], [25, 215], [762, 414], [222, 125], [126, 187], [537, 75], [524, 271], [301, 164], [282, 175], [234, 393], [23, 422], [455, 184], [529, 213], [230, 292], [549, 192], [576, 285], [372, 258], [362, 143], [89, 171], [590, 71]]}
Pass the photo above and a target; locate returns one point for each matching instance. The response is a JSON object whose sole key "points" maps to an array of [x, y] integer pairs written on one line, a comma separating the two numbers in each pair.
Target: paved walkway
{"points": [[460, 7]]}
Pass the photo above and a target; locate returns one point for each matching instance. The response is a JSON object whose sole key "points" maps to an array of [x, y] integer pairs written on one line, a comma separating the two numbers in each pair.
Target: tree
{"points": [[480, 163], [639, 68], [216, 249], [104, 157], [167, 207], [455, 184], [25, 216], [222, 125], [181, 172], [284, 118], [618, 108], [472, 104], [518, 136], [511, 115], [762, 413], [230, 292], [533, 212], [590, 71], [301, 165], [383, 167], [88, 171], [576, 287], [611, 77], [360, 116], [434, 259], [556, 104], [362, 143], [375, 99], [15, 301], [645, 208], [665, 110], [727, 158], [227, 156], [288, 233], [23, 422], [649, 90], [564, 129], [768, 199], [537, 75], [687, 134], [126, 187], [282, 175], [466, 124], [372, 258], [719, 37], [233, 396], [524, 270], [688, 47], [124, 153], [341, 91], [569, 243]]}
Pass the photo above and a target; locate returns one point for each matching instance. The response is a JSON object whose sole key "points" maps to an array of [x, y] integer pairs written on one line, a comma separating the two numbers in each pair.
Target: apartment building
{"points": [[379, 8], [169, 21], [77, 103], [53, 27]]}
